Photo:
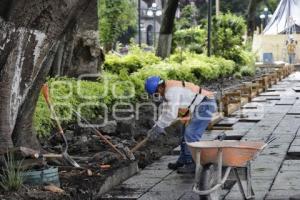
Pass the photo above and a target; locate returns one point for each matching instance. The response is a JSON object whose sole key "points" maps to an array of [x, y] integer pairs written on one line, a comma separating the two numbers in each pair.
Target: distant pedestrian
{"points": [[291, 50]]}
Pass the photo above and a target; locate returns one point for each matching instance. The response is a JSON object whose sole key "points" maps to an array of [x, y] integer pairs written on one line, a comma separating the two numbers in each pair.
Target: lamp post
{"points": [[154, 12], [209, 28], [264, 17], [139, 21]]}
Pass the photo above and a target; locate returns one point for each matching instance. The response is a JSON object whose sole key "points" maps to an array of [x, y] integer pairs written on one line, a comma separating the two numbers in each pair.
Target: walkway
{"points": [[275, 172]]}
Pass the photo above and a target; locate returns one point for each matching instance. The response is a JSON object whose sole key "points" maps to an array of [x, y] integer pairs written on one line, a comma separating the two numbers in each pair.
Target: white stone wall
{"points": [[275, 44]]}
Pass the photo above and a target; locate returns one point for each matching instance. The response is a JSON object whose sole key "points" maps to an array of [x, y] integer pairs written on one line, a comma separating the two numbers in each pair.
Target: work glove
{"points": [[155, 132]]}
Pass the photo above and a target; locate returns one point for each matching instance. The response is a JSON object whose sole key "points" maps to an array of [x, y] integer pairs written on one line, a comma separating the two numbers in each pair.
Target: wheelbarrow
{"points": [[216, 160]]}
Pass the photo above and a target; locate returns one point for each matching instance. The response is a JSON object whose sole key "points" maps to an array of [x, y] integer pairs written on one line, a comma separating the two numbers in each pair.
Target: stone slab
{"points": [[162, 195], [227, 121], [294, 151], [281, 194], [268, 94], [295, 110], [290, 165], [289, 101], [287, 180]]}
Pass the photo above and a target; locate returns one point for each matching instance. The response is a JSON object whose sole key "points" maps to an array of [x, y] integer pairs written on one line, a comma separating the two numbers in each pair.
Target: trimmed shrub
{"points": [[191, 39], [134, 60], [227, 36]]}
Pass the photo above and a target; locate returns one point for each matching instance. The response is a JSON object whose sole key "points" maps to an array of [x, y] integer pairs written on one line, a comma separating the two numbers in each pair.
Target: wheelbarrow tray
{"points": [[235, 153]]}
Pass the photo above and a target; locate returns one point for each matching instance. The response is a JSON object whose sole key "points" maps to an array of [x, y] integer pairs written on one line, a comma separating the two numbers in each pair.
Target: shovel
{"points": [[65, 155], [124, 156]]}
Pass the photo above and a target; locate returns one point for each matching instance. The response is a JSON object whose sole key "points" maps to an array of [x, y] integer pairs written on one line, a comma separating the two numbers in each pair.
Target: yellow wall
{"points": [[274, 44]]}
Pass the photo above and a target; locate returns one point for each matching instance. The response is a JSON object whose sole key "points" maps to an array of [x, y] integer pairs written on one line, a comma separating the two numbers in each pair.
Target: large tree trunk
{"points": [[79, 51], [251, 15], [165, 36], [29, 37]]}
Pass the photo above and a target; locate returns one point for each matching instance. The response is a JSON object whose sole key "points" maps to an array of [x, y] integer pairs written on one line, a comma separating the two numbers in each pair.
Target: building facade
{"points": [[150, 24]]}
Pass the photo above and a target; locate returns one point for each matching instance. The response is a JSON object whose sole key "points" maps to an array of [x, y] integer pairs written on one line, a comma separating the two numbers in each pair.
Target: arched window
{"points": [[150, 35]]}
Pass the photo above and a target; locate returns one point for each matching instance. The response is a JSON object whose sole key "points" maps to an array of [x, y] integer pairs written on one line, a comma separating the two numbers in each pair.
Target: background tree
{"points": [[165, 35], [251, 16], [30, 32], [115, 18], [189, 17]]}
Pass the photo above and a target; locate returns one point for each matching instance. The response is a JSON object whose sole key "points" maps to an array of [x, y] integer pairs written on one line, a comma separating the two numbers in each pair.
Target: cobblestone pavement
{"points": [[275, 172]]}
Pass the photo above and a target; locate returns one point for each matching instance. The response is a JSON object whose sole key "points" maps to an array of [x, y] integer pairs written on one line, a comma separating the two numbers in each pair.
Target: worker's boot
{"points": [[175, 165], [187, 168]]}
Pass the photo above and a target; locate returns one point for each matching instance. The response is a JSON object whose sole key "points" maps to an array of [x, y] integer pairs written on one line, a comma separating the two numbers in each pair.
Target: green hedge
{"points": [[134, 60], [68, 92], [191, 39]]}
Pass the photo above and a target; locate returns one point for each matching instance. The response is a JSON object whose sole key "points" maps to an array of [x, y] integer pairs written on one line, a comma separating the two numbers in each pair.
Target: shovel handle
{"points": [[45, 92], [140, 144]]}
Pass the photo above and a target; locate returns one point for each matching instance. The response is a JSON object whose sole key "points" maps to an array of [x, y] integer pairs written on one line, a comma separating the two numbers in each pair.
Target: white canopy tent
{"points": [[285, 18]]}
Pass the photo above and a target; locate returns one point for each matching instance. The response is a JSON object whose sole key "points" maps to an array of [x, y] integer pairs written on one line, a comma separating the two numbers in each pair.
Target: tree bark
{"points": [[251, 14], [29, 35], [165, 36]]}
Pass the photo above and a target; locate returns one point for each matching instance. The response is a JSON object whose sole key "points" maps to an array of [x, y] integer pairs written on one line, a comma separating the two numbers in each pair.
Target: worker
{"points": [[291, 50], [183, 101]]}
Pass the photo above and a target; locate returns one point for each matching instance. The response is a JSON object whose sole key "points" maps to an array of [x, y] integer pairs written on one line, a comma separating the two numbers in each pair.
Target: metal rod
{"points": [[154, 29], [239, 183], [139, 21], [209, 28], [198, 167], [220, 164]]}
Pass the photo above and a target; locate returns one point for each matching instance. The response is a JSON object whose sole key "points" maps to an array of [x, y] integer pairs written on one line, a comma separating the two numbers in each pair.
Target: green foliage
{"points": [[115, 18], [191, 39], [247, 71], [237, 75], [227, 36], [11, 177], [134, 60], [188, 17]]}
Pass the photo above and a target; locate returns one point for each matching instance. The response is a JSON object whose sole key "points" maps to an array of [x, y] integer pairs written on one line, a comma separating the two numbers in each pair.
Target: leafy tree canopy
{"points": [[115, 18]]}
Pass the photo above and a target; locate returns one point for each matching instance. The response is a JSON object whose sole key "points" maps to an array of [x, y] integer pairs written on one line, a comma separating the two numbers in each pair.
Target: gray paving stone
{"points": [[162, 195], [174, 176], [140, 183], [190, 196], [296, 142], [295, 110], [162, 163], [259, 99], [290, 165], [281, 194], [287, 180], [267, 94], [122, 194], [155, 173], [172, 186], [294, 150], [245, 126], [286, 101], [236, 133]]}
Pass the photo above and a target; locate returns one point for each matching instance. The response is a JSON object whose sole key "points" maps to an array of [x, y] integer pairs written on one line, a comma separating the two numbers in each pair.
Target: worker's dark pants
{"points": [[193, 131]]}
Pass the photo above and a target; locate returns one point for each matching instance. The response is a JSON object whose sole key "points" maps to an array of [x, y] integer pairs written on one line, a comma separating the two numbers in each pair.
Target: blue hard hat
{"points": [[151, 84]]}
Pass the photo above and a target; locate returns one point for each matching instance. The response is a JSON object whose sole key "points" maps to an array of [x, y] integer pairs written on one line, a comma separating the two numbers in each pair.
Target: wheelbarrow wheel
{"points": [[208, 179]]}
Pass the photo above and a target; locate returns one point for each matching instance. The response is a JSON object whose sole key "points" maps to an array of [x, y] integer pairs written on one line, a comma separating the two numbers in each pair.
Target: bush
{"points": [[134, 60], [247, 71], [126, 79], [191, 39], [11, 177], [227, 36]]}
